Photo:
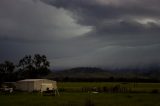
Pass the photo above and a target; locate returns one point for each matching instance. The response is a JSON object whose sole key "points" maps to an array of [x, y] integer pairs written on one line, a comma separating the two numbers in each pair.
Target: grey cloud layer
{"points": [[118, 19], [82, 32], [28, 20], [94, 11], [125, 25]]}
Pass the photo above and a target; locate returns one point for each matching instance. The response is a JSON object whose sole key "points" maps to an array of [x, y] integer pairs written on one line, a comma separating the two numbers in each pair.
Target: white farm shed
{"points": [[36, 85]]}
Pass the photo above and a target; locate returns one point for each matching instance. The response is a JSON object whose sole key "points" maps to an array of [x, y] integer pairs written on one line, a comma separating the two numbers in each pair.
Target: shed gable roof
{"points": [[31, 80]]}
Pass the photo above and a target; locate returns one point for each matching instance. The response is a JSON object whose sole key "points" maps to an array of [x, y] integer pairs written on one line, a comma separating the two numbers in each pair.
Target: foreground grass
{"points": [[80, 99], [136, 87], [109, 84], [77, 98]]}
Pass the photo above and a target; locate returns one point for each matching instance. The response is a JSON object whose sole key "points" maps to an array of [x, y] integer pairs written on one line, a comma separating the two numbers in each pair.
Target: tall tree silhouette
{"points": [[33, 67], [41, 64], [40, 61], [26, 63], [7, 67], [6, 71]]}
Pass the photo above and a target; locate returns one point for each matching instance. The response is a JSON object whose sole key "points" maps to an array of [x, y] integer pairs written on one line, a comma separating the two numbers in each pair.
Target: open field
{"points": [[137, 87], [109, 84], [78, 98]]}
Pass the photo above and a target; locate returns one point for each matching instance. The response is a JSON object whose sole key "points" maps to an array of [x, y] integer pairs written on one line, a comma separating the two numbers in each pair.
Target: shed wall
{"points": [[25, 86], [34, 85]]}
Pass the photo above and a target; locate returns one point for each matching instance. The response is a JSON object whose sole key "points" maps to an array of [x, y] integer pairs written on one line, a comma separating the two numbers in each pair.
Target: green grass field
{"points": [[87, 98], [144, 87], [80, 99]]}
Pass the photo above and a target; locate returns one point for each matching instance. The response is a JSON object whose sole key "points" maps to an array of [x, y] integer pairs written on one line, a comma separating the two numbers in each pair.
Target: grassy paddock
{"points": [[87, 98], [81, 99], [137, 87]]}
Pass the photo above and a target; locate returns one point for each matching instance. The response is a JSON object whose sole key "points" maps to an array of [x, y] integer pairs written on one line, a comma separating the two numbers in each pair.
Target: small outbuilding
{"points": [[31, 85]]}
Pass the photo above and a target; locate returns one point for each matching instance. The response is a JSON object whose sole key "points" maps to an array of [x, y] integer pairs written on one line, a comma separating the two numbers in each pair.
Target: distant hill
{"points": [[83, 73], [91, 72]]}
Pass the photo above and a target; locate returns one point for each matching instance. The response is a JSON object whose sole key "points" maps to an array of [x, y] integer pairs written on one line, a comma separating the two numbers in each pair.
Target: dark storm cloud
{"points": [[116, 19], [94, 12], [82, 32], [28, 27], [28, 20], [129, 27]]}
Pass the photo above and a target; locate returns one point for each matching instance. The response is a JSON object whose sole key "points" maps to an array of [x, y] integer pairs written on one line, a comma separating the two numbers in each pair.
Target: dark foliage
{"points": [[33, 67], [7, 71], [28, 67]]}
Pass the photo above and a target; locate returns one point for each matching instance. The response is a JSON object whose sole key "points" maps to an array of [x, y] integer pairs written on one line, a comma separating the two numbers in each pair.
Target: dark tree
{"points": [[6, 71], [33, 67], [41, 64], [9, 67], [40, 61], [26, 63], [2, 72]]}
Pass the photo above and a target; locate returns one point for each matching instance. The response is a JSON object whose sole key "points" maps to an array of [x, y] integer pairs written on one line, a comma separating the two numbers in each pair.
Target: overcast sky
{"points": [[74, 33]]}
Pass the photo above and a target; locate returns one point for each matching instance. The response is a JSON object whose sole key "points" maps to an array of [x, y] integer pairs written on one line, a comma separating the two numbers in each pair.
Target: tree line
{"points": [[29, 66]]}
